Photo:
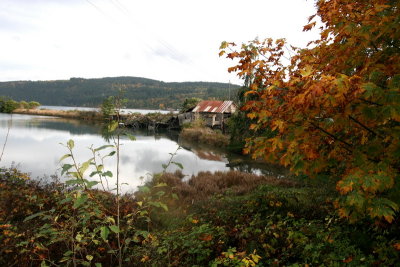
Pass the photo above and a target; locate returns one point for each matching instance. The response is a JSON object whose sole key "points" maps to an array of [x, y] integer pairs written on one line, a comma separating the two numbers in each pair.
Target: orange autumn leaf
{"points": [[206, 237]]}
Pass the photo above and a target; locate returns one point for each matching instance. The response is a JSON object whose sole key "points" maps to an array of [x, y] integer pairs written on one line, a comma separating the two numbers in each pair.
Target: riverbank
{"points": [[70, 114]]}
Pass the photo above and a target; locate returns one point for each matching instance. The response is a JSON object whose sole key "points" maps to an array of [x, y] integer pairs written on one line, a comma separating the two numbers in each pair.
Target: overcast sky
{"points": [[168, 40]]}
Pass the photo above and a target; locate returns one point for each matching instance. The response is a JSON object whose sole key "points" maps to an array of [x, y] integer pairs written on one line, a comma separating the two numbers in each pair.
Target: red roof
{"points": [[212, 106]]}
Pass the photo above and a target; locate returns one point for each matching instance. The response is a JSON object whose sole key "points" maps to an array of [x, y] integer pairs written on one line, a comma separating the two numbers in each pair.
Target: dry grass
{"points": [[207, 184], [205, 135]]}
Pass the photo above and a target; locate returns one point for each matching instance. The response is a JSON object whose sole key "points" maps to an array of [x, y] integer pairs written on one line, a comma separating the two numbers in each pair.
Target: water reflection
{"points": [[34, 145]]}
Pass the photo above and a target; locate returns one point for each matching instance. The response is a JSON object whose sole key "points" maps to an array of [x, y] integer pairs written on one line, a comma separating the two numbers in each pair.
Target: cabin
{"points": [[214, 113]]}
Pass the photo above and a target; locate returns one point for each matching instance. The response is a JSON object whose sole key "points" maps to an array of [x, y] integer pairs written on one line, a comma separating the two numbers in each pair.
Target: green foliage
{"points": [[240, 125], [33, 104], [8, 105], [24, 105], [108, 107], [164, 224]]}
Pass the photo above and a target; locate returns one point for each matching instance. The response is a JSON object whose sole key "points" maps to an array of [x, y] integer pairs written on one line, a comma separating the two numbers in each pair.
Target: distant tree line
{"points": [[140, 92]]}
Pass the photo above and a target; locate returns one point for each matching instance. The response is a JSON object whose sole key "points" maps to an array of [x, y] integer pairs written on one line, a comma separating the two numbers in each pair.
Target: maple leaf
{"points": [[309, 26]]}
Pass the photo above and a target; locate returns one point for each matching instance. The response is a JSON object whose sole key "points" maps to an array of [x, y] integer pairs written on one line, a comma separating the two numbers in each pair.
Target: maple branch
{"points": [[370, 102], [333, 136], [364, 126]]}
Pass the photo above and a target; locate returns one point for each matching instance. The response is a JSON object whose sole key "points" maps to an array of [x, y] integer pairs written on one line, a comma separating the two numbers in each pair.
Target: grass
{"points": [[73, 114], [205, 135]]}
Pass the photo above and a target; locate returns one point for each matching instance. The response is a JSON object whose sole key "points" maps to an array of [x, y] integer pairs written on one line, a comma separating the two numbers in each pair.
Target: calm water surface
{"points": [[34, 146]]}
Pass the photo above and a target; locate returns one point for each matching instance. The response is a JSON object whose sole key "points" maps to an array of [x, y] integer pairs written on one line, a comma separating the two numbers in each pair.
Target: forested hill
{"points": [[140, 92]]}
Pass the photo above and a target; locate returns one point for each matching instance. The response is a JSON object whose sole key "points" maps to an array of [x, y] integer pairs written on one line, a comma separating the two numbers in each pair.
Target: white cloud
{"points": [[173, 40]]}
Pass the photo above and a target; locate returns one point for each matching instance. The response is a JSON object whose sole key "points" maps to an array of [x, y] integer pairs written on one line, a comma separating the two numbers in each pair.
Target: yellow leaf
{"points": [[145, 258], [307, 71], [253, 126], [389, 218], [251, 115]]}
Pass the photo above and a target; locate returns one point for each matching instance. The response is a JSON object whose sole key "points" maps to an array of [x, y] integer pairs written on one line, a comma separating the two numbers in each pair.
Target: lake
{"points": [[34, 146]]}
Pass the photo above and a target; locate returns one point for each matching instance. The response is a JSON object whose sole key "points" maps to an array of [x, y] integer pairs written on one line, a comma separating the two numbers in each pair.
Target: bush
{"points": [[221, 219], [8, 105], [33, 104]]}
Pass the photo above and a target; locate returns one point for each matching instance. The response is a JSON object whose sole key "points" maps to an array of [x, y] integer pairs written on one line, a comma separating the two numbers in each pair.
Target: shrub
{"points": [[33, 104]]}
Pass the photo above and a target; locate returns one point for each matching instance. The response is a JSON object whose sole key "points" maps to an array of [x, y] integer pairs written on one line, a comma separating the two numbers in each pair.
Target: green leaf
{"points": [[110, 219], [65, 168], [68, 253], [165, 207], [94, 173], [104, 232], [114, 228], [144, 189], [112, 126], [158, 204], [79, 201], [70, 144], [371, 89], [98, 265], [79, 237], [91, 184], [108, 173], [34, 216], [89, 257], [110, 154], [65, 156], [161, 185], [85, 166], [131, 137], [103, 147], [68, 199], [73, 182], [223, 45], [178, 164], [76, 175]]}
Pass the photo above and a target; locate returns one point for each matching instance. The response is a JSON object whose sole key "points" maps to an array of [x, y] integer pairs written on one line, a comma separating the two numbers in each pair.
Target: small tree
{"points": [[108, 107], [189, 103], [33, 104], [23, 104], [7, 105]]}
